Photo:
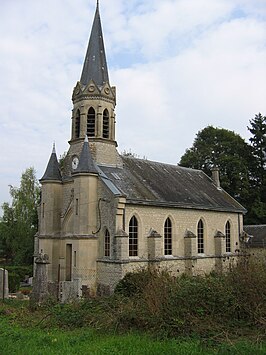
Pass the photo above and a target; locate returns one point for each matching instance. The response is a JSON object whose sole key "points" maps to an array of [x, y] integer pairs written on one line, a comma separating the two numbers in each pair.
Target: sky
{"points": [[178, 66]]}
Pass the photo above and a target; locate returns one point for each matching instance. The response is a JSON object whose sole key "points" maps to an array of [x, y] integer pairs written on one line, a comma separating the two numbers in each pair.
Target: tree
{"points": [[225, 149], [20, 220], [258, 142], [228, 151]]}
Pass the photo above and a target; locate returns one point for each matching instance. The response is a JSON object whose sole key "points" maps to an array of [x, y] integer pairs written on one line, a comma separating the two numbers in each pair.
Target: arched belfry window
{"points": [[105, 124], [200, 233], [107, 243], [228, 237], [133, 237], [168, 237], [91, 122], [77, 124]]}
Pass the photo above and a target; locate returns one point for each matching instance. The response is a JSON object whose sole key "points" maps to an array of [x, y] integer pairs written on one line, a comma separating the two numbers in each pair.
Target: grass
{"points": [[25, 332]]}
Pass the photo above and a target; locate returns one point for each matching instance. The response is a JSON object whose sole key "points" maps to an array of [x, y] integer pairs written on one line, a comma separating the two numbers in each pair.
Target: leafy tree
{"points": [[227, 150], [20, 221]]}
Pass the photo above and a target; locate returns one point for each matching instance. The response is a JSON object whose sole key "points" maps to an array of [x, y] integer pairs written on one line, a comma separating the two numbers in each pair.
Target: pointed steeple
{"points": [[95, 64], [52, 171], [86, 163]]}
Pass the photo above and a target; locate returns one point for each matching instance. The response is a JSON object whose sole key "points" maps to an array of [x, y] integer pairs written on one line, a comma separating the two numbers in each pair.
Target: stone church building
{"points": [[103, 214]]}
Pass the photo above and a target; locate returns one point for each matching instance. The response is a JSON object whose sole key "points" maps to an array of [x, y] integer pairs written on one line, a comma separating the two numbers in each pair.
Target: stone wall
{"points": [[184, 258], [183, 220]]}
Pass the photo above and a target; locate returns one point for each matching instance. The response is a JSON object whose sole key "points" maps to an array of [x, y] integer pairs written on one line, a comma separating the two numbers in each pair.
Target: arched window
{"points": [[133, 237], [107, 243], [77, 124], [228, 237], [168, 237], [91, 122], [200, 237], [105, 124]]}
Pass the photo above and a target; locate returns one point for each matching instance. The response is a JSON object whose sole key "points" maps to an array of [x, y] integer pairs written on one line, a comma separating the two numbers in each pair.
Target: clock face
{"points": [[75, 163]]}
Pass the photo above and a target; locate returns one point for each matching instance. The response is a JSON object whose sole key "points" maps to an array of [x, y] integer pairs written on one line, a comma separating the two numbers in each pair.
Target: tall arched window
{"points": [[168, 237], [91, 122], [105, 124], [200, 237], [107, 243], [228, 237], [77, 124], [133, 237]]}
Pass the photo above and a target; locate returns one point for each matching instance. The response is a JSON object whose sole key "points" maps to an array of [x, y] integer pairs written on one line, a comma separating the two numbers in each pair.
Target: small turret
{"points": [[52, 171], [51, 197], [86, 163]]}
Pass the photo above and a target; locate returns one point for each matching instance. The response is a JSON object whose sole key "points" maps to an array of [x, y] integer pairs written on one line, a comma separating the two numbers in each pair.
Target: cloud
{"points": [[178, 66]]}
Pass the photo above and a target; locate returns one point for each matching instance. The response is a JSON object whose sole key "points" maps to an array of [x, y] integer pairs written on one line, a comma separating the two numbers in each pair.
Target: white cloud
{"points": [[178, 65]]}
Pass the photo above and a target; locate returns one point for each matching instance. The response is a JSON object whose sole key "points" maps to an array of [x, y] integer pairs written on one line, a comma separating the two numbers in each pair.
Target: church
{"points": [[103, 214]]}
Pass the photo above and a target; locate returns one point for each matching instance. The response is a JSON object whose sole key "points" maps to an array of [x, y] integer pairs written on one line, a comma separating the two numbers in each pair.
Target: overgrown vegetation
{"points": [[206, 306], [202, 314], [151, 300]]}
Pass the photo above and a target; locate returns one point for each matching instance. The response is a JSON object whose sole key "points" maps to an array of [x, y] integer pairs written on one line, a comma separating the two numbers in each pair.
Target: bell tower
{"points": [[94, 101]]}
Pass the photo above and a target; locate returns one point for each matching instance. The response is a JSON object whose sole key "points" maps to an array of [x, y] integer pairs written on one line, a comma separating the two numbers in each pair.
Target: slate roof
{"points": [[152, 183], [95, 64], [86, 163], [258, 232], [52, 171]]}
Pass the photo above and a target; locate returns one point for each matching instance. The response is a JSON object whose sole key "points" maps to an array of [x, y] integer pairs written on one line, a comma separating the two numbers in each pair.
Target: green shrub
{"points": [[155, 301], [134, 282], [13, 282], [16, 274], [21, 271], [194, 304]]}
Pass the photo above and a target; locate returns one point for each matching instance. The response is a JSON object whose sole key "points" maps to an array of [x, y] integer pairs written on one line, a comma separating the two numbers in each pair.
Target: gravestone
{"points": [[3, 284]]}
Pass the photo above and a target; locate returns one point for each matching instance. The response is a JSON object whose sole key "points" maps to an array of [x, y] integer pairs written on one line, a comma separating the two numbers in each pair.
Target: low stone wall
{"points": [[109, 272]]}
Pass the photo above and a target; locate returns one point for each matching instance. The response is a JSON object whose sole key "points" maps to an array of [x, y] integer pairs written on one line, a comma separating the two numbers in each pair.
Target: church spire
{"points": [[95, 64]]}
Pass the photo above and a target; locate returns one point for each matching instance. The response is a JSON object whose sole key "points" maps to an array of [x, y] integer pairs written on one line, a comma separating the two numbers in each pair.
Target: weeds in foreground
{"points": [[215, 307]]}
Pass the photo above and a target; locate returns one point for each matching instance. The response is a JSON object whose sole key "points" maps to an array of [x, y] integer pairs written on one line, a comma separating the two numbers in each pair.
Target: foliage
{"points": [[225, 149], [13, 282], [258, 142], [133, 283], [61, 161], [16, 274], [237, 162], [20, 270], [23, 332], [202, 305], [20, 221], [210, 306]]}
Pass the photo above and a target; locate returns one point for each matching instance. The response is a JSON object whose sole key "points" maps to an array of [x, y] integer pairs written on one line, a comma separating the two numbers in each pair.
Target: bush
{"points": [[16, 274], [13, 282], [195, 304], [155, 301]]}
